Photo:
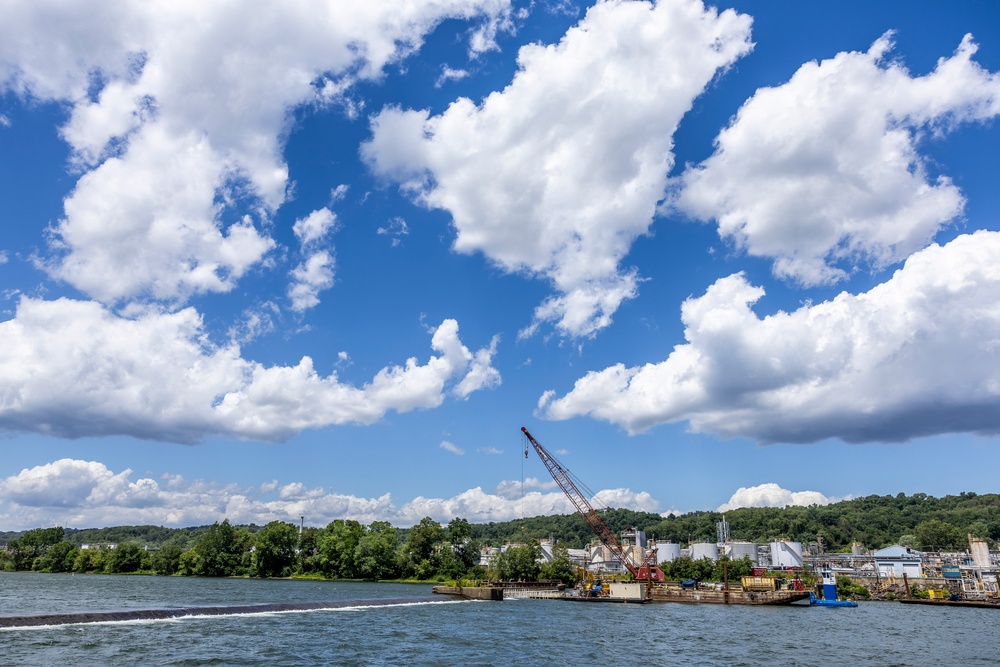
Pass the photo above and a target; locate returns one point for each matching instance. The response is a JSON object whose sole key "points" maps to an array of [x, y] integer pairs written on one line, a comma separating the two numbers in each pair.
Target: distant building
{"points": [[897, 560]]}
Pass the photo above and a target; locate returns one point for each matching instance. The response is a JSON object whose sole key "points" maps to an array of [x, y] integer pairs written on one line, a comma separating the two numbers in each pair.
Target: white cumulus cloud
{"points": [[78, 493], [915, 356], [772, 495], [75, 369], [191, 104], [315, 226], [556, 175], [824, 172], [311, 277]]}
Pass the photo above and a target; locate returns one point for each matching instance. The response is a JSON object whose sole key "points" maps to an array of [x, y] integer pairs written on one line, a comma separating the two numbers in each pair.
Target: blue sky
{"points": [[325, 261]]}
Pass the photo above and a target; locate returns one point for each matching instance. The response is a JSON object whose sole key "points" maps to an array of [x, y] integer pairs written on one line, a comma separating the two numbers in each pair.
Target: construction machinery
{"points": [[644, 571]]}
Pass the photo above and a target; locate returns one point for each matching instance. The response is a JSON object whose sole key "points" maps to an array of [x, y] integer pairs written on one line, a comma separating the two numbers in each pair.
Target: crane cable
{"points": [[588, 493]]}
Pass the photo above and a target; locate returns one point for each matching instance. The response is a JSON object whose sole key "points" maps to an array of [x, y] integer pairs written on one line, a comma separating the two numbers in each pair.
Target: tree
{"points": [[685, 568], [90, 560], [32, 547], [336, 547], [375, 555], [519, 563], [419, 553], [274, 550], [308, 559], [189, 563], [221, 550], [736, 569], [560, 568], [166, 560], [464, 551], [59, 557], [936, 533], [125, 557]]}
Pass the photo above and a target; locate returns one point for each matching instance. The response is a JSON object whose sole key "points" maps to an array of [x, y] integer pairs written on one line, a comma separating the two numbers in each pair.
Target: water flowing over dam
{"points": [[37, 620]]}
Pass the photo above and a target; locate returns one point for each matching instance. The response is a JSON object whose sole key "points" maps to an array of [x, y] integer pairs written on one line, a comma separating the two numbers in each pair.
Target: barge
{"points": [[720, 594], [634, 593]]}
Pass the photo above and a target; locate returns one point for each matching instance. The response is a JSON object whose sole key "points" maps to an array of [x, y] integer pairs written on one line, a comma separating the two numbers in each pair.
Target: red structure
{"points": [[644, 571]]}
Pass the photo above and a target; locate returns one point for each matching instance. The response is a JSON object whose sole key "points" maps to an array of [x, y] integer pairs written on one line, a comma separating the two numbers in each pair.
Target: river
{"points": [[522, 632]]}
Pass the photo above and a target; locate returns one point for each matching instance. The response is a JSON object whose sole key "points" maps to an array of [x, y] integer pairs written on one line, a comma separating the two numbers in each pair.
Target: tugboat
{"points": [[829, 598]]}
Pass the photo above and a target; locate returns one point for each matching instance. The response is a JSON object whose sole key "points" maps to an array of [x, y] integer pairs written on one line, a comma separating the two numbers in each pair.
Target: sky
{"points": [[308, 261]]}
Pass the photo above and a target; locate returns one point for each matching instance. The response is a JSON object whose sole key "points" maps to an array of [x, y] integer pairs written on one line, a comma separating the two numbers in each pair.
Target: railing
{"points": [[531, 593]]}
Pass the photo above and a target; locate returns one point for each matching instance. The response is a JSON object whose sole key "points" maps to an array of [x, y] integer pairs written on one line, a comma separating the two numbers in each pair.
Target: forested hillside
{"points": [[875, 521]]}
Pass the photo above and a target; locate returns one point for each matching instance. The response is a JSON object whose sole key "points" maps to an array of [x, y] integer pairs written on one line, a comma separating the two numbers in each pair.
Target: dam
{"points": [[39, 620]]}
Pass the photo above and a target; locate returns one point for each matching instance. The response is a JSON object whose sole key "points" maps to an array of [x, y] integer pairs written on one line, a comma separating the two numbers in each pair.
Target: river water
{"points": [[522, 632]]}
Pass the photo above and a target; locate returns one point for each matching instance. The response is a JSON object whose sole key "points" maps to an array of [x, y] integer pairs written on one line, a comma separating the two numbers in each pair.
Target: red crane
{"points": [[644, 571]]}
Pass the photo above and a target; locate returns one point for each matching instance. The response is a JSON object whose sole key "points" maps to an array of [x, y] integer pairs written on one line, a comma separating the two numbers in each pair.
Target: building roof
{"points": [[898, 551]]}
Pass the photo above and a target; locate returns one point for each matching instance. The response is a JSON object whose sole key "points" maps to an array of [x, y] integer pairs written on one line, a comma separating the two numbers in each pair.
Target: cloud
{"points": [[254, 323], [772, 495], [639, 501], [452, 447], [482, 374], [915, 356], [824, 172], [167, 144], [449, 74], [63, 483], [78, 493], [315, 226], [316, 272], [575, 150], [309, 279], [395, 230], [339, 192], [74, 369], [512, 488], [492, 451]]}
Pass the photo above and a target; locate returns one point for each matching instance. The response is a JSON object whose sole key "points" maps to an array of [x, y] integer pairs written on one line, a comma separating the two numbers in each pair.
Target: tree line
{"points": [[347, 549]]}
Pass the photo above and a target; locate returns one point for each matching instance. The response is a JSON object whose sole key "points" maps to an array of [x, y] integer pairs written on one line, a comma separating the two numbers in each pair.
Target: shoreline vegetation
{"points": [[430, 552]]}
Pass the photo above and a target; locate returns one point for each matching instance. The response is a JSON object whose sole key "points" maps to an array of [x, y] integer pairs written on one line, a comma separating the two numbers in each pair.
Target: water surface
{"points": [[523, 632]]}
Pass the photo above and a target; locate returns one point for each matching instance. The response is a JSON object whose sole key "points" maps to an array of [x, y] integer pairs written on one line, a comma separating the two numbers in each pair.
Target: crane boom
{"points": [[645, 570]]}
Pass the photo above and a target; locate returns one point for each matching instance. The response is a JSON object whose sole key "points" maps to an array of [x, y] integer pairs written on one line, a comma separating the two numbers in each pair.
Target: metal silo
{"points": [[668, 551], [740, 550], [786, 554], [708, 550]]}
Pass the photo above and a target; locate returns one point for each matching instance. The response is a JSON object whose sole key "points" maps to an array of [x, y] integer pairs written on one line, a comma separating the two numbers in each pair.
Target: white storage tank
{"points": [[786, 554], [741, 550], [708, 550], [668, 551]]}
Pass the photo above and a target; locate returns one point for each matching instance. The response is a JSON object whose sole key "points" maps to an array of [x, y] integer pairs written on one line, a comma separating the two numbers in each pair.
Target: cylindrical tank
{"points": [[786, 554], [980, 551], [857, 549], [740, 550], [708, 550], [668, 551]]}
